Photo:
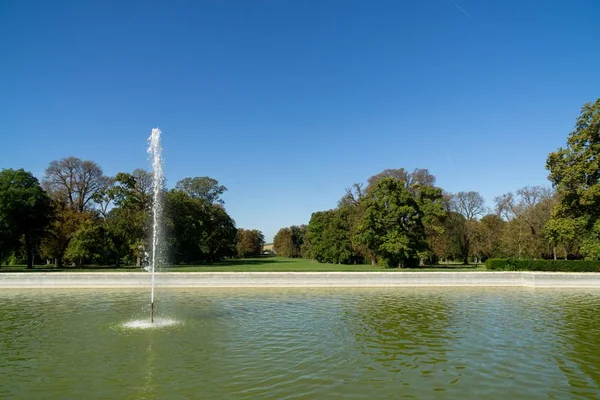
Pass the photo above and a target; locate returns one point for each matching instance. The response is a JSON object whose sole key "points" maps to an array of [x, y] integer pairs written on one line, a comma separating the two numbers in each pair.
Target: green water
{"points": [[302, 344]]}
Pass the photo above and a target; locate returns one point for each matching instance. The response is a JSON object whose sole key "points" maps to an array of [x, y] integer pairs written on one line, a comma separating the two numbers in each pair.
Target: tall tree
{"points": [[419, 177], [329, 234], [89, 244], [219, 239], [575, 173], [74, 181], [421, 185], [73, 184], [487, 240], [249, 243], [129, 221], [202, 187], [564, 233], [527, 213], [25, 212], [469, 205], [575, 170], [392, 223], [282, 242], [65, 223], [197, 231], [288, 241]]}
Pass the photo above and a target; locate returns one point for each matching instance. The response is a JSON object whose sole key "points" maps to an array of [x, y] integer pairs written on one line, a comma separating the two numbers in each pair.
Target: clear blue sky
{"points": [[289, 102]]}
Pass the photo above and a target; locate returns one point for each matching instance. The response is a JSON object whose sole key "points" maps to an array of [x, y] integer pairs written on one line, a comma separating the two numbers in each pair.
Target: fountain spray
{"points": [[158, 181]]}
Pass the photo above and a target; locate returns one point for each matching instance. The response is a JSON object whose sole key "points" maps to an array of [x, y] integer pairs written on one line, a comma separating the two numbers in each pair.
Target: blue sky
{"points": [[289, 102]]}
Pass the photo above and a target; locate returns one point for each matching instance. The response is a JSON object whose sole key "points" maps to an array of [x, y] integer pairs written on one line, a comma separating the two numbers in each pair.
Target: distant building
{"points": [[268, 248]]}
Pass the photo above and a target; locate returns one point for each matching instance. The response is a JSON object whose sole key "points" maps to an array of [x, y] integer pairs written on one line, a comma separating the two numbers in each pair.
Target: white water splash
{"points": [[145, 324], [155, 155]]}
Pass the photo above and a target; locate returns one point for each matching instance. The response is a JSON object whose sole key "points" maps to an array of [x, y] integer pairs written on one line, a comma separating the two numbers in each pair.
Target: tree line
{"points": [[79, 216], [401, 218]]}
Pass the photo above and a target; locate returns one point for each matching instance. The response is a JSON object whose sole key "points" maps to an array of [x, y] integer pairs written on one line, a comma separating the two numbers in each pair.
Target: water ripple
{"points": [[297, 344]]}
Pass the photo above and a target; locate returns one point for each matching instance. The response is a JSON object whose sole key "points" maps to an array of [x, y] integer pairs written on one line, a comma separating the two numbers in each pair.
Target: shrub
{"points": [[497, 264]]}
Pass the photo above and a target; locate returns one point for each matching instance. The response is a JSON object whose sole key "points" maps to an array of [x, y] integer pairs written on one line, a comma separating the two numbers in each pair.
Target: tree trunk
{"points": [[58, 262], [29, 251], [373, 261], [554, 251]]}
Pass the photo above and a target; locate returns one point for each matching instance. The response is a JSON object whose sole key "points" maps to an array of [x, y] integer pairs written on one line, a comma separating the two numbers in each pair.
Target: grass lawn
{"points": [[262, 264]]}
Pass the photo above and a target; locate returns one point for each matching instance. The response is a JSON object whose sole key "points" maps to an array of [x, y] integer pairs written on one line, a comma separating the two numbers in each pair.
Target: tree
{"points": [[74, 181], [467, 207], [202, 187], [329, 234], [249, 242], [419, 177], [352, 196], [564, 232], [288, 241], [197, 231], [575, 170], [218, 241], [392, 223], [89, 243], [73, 184], [590, 243], [527, 213], [431, 203], [65, 223], [575, 174], [25, 212], [130, 220], [470, 205], [487, 240]]}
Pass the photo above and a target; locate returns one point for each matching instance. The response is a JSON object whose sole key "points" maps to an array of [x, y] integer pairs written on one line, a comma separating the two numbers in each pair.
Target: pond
{"points": [[462, 343]]}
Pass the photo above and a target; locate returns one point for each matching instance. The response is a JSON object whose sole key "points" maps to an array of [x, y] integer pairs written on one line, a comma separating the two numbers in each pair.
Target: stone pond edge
{"points": [[298, 279]]}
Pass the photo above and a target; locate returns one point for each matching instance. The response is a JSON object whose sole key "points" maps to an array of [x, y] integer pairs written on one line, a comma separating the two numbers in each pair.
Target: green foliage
{"points": [[203, 187], [590, 243], [496, 264], [575, 170], [289, 242], [25, 212], [197, 231], [487, 241], [129, 222], [90, 244], [249, 243], [329, 233], [392, 223]]}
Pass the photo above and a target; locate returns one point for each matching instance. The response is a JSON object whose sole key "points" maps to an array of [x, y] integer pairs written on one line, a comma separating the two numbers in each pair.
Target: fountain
{"points": [[154, 256], [155, 155]]}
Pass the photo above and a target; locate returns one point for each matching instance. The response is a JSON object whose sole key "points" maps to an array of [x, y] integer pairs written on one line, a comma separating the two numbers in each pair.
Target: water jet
{"points": [[158, 180]]}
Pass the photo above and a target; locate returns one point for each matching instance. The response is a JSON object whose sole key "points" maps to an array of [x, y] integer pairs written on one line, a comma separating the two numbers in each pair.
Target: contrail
{"points": [[462, 10], [449, 160]]}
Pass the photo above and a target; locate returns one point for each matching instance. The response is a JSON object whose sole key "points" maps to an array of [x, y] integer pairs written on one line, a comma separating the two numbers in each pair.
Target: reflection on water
{"points": [[580, 360], [406, 336], [297, 343]]}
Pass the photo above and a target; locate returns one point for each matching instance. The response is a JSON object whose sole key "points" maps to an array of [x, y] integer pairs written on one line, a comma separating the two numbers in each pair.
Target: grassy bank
{"points": [[263, 264]]}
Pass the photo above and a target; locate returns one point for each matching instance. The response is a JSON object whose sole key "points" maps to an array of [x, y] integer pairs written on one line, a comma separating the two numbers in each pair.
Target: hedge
{"points": [[508, 264]]}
